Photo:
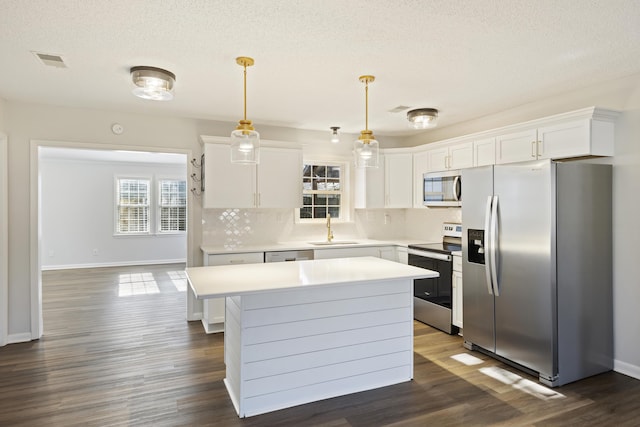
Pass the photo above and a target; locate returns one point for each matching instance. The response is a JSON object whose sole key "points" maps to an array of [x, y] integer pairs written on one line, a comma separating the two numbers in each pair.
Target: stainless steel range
{"points": [[433, 297]]}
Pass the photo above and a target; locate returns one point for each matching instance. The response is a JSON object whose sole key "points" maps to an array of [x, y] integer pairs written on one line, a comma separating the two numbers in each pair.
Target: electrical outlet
{"points": [[95, 252], [51, 254]]}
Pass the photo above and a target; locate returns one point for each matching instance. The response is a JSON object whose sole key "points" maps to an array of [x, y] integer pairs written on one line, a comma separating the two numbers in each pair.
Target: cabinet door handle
{"points": [[533, 149], [538, 148]]}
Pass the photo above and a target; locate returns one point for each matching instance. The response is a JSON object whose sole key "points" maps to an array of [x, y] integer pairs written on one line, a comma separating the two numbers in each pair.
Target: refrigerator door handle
{"points": [[487, 244], [494, 246]]}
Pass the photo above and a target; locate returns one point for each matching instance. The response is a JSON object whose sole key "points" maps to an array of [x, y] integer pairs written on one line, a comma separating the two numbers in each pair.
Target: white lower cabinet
{"points": [[384, 252], [213, 309], [456, 302], [346, 252]]}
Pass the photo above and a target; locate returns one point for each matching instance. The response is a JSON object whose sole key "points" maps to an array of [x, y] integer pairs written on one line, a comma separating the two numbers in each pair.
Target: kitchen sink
{"points": [[334, 242]]}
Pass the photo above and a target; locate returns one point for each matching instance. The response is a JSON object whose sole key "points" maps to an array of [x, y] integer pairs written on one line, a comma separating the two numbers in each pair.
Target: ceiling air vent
{"points": [[50, 60], [399, 109]]}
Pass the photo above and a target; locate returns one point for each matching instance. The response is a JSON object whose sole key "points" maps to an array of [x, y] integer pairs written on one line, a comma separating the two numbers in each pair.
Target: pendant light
{"points": [[335, 136], [245, 141], [365, 147]]}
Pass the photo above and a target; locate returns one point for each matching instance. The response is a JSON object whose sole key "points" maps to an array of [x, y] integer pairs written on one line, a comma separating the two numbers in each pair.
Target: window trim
{"points": [[345, 192]]}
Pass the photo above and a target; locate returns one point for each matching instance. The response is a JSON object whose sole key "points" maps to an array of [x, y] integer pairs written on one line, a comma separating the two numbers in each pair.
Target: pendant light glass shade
{"points": [[335, 135], [365, 148], [366, 152], [245, 141]]}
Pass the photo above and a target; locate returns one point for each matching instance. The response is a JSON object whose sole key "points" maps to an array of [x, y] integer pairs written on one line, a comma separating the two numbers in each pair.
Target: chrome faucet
{"points": [[329, 232]]}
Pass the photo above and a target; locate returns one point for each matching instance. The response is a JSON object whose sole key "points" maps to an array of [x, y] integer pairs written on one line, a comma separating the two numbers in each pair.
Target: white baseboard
{"points": [[113, 264], [16, 338], [627, 369]]}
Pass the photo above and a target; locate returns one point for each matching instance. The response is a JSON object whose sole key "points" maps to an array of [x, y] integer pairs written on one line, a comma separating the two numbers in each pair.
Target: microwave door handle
{"points": [[456, 185], [494, 246], [487, 244]]}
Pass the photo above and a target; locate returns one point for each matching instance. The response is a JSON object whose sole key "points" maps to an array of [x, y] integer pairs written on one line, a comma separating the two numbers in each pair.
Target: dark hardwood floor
{"points": [[118, 352]]}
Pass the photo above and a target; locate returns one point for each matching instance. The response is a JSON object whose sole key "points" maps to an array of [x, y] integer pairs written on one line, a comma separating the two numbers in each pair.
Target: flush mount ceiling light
{"points": [[335, 136], [422, 118], [245, 141], [365, 147], [153, 83]]}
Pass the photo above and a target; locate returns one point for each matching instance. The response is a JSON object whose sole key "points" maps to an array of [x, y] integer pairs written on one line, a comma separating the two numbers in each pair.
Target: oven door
{"points": [[436, 290]]}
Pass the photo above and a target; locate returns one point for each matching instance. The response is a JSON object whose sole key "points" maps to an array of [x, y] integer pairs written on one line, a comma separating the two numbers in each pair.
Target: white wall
{"points": [[77, 215], [626, 212]]}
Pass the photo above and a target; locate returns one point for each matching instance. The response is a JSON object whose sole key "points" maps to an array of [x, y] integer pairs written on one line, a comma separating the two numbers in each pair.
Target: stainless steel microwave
{"points": [[442, 188]]}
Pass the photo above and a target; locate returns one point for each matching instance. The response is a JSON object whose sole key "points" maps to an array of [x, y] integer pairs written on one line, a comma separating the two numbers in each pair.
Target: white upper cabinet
{"points": [[420, 166], [454, 156], [398, 179], [369, 186], [484, 152], [279, 178], [276, 182], [388, 186], [565, 140], [516, 146], [591, 136], [226, 184]]}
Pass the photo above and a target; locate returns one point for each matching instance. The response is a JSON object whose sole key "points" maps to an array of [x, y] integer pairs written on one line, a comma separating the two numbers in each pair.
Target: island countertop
{"points": [[234, 280]]}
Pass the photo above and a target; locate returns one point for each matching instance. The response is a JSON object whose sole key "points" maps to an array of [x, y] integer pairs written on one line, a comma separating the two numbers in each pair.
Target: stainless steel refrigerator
{"points": [[537, 267]]}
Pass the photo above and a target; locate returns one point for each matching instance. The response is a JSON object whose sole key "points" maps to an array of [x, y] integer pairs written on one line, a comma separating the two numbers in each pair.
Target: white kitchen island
{"points": [[302, 331]]}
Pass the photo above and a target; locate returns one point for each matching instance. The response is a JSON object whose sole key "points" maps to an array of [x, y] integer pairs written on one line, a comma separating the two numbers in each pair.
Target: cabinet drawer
{"points": [[457, 263], [239, 258]]}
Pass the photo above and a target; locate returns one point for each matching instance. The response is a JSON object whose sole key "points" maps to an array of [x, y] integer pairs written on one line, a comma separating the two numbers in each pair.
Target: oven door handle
{"points": [[426, 254]]}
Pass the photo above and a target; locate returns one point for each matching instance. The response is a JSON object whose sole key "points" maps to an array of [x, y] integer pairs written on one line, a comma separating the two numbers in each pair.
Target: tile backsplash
{"points": [[236, 228]]}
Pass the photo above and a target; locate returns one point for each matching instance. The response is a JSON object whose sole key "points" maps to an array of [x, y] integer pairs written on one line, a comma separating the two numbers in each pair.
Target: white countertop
{"points": [[232, 280], [301, 245]]}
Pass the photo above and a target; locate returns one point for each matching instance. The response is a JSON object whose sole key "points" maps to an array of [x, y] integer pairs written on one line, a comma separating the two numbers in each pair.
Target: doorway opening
{"points": [[81, 206]]}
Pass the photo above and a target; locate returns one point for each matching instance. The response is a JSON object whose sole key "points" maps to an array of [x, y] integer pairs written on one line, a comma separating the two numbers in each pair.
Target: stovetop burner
{"points": [[442, 247], [451, 240]]}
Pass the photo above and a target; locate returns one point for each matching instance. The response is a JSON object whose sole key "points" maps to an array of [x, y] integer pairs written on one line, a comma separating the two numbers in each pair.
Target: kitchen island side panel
{"points": [[233, 349], [306, 345]]}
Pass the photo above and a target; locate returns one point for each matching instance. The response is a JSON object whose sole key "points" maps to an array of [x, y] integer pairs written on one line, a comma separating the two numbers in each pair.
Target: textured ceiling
{"points": [[466, 58]]}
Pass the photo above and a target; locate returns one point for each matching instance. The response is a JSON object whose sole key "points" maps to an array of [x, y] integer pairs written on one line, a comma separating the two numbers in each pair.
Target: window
{"points": [[173, 205], [132, 206], [322, 191]]}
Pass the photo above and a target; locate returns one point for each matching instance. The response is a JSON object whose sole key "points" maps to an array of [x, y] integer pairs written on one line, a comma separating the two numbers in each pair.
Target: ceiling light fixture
{"points": [[245, 141], [422, 118], [365, 147], [153, 83], [335, 136]]}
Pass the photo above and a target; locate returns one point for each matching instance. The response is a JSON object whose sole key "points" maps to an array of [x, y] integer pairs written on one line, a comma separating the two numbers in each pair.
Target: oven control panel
{"points": [[452, 229]]}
